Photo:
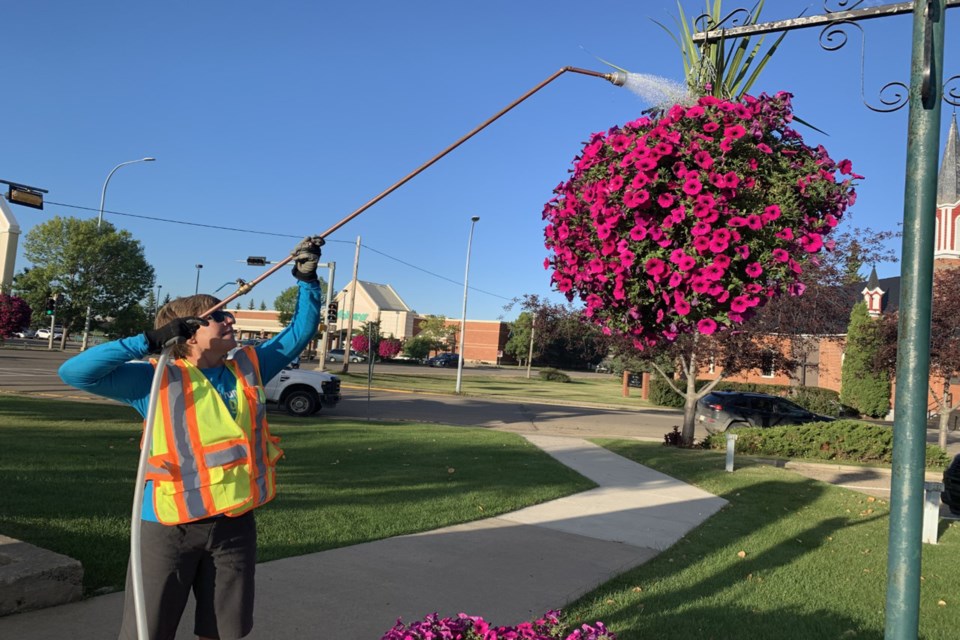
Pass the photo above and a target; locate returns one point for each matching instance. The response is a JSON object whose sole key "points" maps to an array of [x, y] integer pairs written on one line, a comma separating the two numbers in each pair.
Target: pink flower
{"points": [[707, 326], [681, 306], [703, 159], [780, 255], [743, 251], [785, 234], [754, 269], [754, 222], [739, 304], [692, 186], [655, 267], [770, 213], [811, 242], [665, 200], [735, 132]]}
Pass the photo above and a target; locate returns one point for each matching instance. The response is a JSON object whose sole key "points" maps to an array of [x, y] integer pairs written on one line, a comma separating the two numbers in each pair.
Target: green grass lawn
{"points": [[789, 559], [68, 468], [597, 390]]}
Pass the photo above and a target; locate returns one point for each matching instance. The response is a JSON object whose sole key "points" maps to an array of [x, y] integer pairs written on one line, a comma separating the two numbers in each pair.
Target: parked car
{"points": [[336, 355], [44, 334], [443, 360], [25, 333], [301, 392], [721, 410]]}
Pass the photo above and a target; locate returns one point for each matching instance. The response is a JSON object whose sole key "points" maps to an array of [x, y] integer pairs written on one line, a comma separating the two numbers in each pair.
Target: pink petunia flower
{"points": [[754, 270], [665, 200], [655, 267], [707, 326], [692, 186], [780, 255]]}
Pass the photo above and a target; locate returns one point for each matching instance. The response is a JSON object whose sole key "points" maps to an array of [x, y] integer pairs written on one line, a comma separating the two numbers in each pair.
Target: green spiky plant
{"points": [[725, 68]]}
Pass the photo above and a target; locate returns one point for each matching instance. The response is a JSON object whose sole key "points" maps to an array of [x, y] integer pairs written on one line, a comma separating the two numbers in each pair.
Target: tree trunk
{"points": [[689, 423], [944, 425]]}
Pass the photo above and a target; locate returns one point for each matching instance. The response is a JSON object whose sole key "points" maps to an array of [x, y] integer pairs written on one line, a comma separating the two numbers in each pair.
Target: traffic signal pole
{"points": [[325, 340]]}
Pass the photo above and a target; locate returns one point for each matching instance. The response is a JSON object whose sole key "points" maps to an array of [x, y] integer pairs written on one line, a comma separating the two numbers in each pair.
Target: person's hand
{"points": [[177, 330], [306, 257]]}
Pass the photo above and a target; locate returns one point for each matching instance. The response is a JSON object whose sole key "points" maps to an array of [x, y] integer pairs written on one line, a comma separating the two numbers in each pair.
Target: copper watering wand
{"points": [[618, 78]]}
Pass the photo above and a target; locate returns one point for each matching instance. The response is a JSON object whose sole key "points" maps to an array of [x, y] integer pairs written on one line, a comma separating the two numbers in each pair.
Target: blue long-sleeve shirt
{"points": [[115, 370]]}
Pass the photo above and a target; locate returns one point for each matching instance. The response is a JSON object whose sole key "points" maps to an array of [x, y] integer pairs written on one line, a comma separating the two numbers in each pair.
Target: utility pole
{"points": [[353, 297]]}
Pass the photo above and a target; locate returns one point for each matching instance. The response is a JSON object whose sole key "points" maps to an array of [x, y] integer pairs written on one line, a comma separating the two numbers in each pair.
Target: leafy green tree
{"points": [[104, 268], [863, 386], [129, 321], [418, 347], [518, 344], [561, 336], [286, 302], [441, 336]]}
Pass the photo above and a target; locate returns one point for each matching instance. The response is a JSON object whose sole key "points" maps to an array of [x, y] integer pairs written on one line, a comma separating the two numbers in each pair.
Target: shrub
{"points": [[673, 438], [839, 441], [661, 394], [554, 375]]}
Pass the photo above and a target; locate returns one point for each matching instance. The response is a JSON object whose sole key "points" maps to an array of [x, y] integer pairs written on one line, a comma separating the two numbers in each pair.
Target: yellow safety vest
{"points": [[203, 461]]}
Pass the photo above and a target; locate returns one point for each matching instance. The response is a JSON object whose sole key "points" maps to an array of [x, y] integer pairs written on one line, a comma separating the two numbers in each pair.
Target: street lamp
{"points": [[156, 307], [103, 196], [196, 288], [463, 315]]}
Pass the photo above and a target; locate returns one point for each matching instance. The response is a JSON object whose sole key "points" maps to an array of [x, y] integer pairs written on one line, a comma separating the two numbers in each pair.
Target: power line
{"points": [[270, 233]]}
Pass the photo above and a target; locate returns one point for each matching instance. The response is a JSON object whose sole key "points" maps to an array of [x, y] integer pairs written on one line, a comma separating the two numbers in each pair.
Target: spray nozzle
{"points": [[618, 78]]}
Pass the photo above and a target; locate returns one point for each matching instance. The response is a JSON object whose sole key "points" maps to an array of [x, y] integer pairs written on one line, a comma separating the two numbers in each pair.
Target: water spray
{"points": [[617, 78]]}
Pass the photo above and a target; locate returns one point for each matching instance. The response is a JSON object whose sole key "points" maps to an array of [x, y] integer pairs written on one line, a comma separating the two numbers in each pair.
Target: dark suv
{"points": [[444, 360], [721, 410]]}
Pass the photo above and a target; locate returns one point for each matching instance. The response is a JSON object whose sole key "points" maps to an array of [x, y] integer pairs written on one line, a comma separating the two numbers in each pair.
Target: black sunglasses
{"points": [[220, 316]]}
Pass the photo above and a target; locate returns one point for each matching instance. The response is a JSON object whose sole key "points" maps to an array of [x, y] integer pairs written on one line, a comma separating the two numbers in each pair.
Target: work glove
{"points": [[177, 330], [306, 257]]}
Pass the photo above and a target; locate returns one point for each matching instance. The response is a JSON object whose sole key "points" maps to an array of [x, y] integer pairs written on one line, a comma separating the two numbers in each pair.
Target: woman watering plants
{"points": [[212, 458]]}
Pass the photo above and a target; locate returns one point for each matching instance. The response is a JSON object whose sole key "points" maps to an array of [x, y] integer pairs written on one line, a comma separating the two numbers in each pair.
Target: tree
{"points": [[389, 347], [418, 347], [562, 336], [251, 305], [14, 315], [862, 385], [286, 302], [263, 305], [438, 334], [367, 339], [104, 268], [518, 344]]}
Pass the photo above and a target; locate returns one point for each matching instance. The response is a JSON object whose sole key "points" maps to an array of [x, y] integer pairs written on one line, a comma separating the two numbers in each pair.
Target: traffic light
{"points": [[332, 313], [51, 306]]}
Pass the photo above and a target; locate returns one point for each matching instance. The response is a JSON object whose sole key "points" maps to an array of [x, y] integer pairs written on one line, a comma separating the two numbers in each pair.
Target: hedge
{"points": [[839, 441]]}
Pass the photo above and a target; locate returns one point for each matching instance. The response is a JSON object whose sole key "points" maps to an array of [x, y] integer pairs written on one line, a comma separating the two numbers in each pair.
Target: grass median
{"points": [[68, 470], [789, 558], [593, 390]]}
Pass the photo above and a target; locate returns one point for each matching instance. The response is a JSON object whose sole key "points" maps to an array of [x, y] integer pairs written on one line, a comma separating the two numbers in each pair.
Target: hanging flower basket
{"points": [[691, 219]]}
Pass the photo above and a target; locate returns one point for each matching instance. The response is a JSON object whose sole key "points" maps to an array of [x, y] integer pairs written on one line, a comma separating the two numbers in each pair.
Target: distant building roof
{"points": [[948, 182], [382, 296]]}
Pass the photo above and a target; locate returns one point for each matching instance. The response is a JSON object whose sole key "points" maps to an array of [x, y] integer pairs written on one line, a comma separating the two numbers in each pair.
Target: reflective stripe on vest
{"points": [[224, 466], [264, 448]]}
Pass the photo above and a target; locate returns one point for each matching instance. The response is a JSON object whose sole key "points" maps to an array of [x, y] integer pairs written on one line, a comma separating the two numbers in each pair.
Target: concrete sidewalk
{"points": [[507, 569]]}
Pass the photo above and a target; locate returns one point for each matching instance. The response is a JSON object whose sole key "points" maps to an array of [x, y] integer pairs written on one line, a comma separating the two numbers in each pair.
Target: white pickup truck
{"points": [[302, 393]]}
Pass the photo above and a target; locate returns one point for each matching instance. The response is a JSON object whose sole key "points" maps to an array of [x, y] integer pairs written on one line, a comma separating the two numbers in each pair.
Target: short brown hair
{"points": [[190, 306]]}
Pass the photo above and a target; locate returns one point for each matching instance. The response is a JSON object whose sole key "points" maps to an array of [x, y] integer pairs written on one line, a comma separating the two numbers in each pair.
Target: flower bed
{"points": [[464, 627]]}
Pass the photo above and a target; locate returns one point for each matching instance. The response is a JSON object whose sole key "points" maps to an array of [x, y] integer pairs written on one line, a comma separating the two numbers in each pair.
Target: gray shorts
{"points": [[216, 558]]}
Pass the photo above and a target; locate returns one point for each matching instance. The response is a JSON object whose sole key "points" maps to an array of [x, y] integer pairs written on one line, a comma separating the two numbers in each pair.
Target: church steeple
{"points": [[873, 295], [947, 245], [948, 182]]}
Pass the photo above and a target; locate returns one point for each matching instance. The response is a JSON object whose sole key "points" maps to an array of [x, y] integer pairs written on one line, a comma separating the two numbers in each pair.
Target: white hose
{"points": [[136, 568]]}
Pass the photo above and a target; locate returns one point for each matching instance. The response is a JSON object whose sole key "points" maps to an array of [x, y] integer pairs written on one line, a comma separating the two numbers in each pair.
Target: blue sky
{"points": [[271, 121]]}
